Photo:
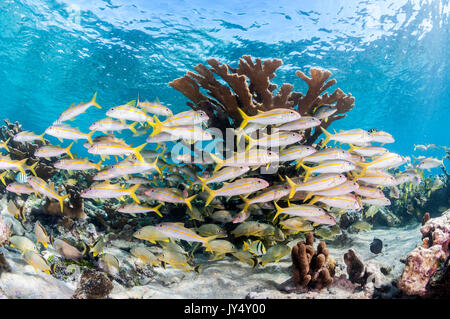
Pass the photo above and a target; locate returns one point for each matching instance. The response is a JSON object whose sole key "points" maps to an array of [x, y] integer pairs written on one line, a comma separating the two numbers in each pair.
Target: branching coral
{"points": [[249, 88], [310, 268]]}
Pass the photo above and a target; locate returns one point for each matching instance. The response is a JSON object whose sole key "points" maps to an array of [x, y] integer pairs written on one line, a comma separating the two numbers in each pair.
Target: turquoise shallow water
{"points": [[391, 55]]}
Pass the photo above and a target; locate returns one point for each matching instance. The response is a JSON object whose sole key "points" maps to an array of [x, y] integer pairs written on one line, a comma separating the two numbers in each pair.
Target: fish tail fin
{"points": [[32, 167], [327, 136], [206, 242], [298, 163], [137, 150], [293, 187], [99, 165], [308, 196], [246, 246], [279, 210], [61, 201], [89, 137], [352, 148], [245, 118], [246, 201], [68, 150], [21, 164], [5, 144], [314, 200], [94, 102], [155, 165], [307, 170], [364, 166], [42, 137], [156, 210], [132, 127], [219, 162], [2, 177], [250, 141], [132, 192], [157, 126], [203, 181], [189, 200], [211, 195]]}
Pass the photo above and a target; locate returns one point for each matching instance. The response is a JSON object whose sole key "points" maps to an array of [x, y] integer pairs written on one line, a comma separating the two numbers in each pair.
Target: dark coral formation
{"points": [[249, 88], [93, 285], [310, 268], [355, 267]]}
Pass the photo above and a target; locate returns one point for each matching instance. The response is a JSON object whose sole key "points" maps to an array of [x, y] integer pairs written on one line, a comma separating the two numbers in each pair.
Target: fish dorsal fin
{"points": [[157, 100], [131, 103]]}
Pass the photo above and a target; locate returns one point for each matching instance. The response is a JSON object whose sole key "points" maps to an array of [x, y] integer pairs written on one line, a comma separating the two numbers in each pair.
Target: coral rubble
{"points": [[93, 285]]}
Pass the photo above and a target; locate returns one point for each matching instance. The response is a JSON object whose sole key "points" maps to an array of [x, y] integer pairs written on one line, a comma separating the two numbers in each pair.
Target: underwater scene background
{"points": [[391, 56]]}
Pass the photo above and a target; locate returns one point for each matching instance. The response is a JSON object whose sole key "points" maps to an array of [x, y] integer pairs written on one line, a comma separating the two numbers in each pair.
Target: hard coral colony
{"points": [[303, 185]]}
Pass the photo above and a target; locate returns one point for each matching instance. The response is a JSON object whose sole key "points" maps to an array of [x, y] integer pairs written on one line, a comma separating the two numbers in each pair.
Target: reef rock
{"points": [[4, 232], [93, 285], [429, 261]]}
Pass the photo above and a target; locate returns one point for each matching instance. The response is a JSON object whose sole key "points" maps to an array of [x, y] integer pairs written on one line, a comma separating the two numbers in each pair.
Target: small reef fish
{"points": [[4, 144], [222, 175], [348, 201], [67, 250], [246, 258], [208, 230], [324, 112], [297, 224], [161, 138], [20, 188], [110, 125], [221, 216], [326, 155], [186, 132], [21, 178], [382, 201], [154, 107], [7, 163], [238, 187], [41, 186], [108, 190], [342, 189], [274, 254], [109, 263], [178, 231], [22, 243], [430, 162], [327, 233], [221, 247], [78, 109], [134, 208], [303, 123], [408, 177], [103, 148], [41, 234], [36, 261], [254, 157], [295, 153], [77, 164], [195, 214], [271, 117], [28, 137], [145, 255], [386, 160], [186, 118], [168, 195], [53, 151], [371, 211], [64, 131], [309, 212], [320, 182], [368, 151], [381, 137], [177, 261], [241, 216], [378, 178], [97, 247], [128, 112], [278, 139], [151, 234], [369, 192], [362, 225], [355, 136], [329, 166], [253, 228], [272, 193], [255, 247], [17, 212]]}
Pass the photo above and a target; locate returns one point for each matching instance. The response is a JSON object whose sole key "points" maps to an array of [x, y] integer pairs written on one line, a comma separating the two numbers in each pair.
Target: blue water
{"points": [[393, 56]]}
